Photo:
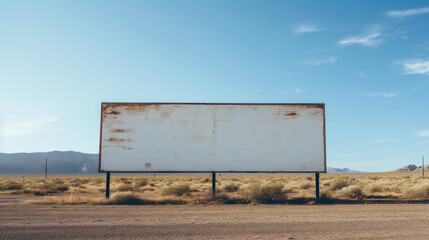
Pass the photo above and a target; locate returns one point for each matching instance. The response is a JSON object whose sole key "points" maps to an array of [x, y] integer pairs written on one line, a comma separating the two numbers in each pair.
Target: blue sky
{"points": [[367, 60]]}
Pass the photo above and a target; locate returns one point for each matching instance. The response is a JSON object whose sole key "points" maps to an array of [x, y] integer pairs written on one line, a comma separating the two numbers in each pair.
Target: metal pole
{"points": [[317, 186], [46, 168], [214, 183], [423, 166], [108, 185]]}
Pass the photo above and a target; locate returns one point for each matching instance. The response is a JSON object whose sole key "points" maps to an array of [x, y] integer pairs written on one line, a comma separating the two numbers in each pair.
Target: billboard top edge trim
{"points": [[201, 103]]}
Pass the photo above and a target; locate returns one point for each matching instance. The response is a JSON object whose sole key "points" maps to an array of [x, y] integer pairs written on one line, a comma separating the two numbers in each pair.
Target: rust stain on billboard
{"points": [[113, 139], [118, 130]]}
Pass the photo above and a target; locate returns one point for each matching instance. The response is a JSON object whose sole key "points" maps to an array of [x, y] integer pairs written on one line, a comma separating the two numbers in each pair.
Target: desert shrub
{"points": [[54, 188], [124, 188], [125, 198], [326, 184], [177, 190], [57, 181], [418, 192], [289, 190], [76, 184], [11, 186], [61, 187], [232, 187], [339, 183], [80, 180], [353, 192], [306, 185], [325, 195], [270, 193], [140, 183], [374, 188]]}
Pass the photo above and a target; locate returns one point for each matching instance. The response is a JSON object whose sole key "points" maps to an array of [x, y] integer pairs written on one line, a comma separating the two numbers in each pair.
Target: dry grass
{"points": [[177, 190], [270, 193], [231, 187], [239, 188]]}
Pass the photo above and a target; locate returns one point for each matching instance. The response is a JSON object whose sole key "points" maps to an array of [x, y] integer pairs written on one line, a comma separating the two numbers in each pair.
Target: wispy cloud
{"points": [[416, 66], [422, 133], [406, 13], [386, 140], [305, 28], [39, 124], [317, 62], [362, 75], [298, 90], [368, 39], [388, 94]]}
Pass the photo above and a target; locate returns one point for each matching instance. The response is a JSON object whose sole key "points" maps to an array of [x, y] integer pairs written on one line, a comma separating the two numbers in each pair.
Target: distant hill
{"points": [[419, 169], [412, 168], [341, 170], [408, 168], [58, 163], [68, 162]]}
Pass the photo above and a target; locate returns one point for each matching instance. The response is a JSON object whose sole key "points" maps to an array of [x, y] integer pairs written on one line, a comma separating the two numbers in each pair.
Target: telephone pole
{"points": [[423, 166], [46, 168]]}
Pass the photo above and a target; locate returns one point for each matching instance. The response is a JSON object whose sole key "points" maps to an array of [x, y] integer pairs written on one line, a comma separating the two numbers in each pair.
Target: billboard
{"points": [[212, 137]]}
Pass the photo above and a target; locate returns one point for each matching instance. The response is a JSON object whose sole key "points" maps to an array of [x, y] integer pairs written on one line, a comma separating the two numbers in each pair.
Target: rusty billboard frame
{"points": [[105, 104]]}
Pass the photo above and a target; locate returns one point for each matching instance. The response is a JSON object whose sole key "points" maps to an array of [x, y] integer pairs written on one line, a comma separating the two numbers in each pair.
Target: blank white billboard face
{"points": [[192, 137]]}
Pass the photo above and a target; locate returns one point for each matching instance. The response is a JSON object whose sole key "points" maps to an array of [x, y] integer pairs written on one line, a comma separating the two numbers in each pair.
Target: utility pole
{"points": [[46, 168], [423, 166]]}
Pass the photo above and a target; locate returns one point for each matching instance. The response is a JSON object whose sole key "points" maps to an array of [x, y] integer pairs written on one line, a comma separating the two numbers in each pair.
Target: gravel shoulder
{"points": [[340, 221]]}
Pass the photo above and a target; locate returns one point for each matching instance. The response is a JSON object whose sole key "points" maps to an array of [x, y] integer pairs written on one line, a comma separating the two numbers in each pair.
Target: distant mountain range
{"points": [[341, 170], [58, 163], [68, 162]]}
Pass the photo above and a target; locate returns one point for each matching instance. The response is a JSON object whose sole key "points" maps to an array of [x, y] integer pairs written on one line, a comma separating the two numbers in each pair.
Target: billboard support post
{"points": [[317, 186], [214, 184], [107, 184]]}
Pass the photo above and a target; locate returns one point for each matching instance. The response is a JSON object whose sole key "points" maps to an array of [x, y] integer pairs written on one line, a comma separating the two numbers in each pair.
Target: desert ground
{"points": [[266, 206], [212, 221]]}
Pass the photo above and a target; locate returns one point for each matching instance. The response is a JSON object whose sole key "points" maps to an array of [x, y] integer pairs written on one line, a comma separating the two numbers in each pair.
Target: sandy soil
{"points": [[360, 221]]}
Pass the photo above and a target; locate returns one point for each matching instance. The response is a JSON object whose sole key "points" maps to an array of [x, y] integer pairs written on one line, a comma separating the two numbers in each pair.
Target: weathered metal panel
{"points": [[199, 137]]}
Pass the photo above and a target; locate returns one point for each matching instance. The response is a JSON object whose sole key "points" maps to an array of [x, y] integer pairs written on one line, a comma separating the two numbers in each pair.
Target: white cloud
{"points": [[406, 13], [416, 67], [423, 133], [318, 62], [388, 94], [304, 28], [369, 39], [298, 90], [42, 123]]}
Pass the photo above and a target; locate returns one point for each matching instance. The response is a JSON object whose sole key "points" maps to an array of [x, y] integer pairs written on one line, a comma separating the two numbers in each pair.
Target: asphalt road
{"points": [[360, 221]]}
